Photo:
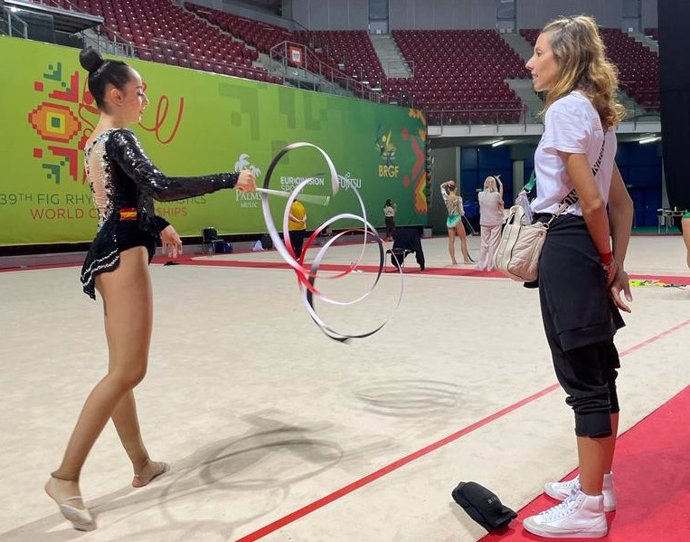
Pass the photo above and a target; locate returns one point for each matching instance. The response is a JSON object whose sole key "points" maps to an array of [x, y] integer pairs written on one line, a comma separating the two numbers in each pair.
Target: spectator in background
{"points": [[490, 221], [389, 209]]}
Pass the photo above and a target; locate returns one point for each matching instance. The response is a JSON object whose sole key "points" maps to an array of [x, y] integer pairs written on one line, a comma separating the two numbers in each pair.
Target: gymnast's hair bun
{"points": [[90, 60]]}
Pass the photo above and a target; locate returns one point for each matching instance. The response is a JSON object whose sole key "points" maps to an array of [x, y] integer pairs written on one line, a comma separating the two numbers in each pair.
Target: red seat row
{"points": [[638, 66], [166, 33]]}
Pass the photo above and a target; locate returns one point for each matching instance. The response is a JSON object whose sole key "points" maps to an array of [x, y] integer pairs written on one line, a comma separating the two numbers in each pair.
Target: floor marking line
{"points": [[466, 272], [654, 339]]}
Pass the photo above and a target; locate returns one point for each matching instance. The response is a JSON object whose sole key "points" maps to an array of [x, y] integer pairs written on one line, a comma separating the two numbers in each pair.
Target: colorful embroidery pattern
{"points": [[56, 123], [419, 179]]}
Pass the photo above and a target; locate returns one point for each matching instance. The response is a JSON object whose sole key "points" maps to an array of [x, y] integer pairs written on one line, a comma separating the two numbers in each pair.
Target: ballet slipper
{"points": [[141, 480], [80, 518]]}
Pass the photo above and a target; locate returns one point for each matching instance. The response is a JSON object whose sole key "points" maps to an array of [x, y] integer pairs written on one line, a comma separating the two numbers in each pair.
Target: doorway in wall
{"points": [[632, 16], [505, 16], [378, 16]]}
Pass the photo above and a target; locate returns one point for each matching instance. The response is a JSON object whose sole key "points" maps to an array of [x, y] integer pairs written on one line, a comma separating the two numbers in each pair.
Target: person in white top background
{"points": [[581, 270], [389, 209], [490, 221]]}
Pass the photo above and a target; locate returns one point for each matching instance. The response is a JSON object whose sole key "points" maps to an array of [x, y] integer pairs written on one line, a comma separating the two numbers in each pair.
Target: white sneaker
{"points": [[562, 490], [579, 516]]}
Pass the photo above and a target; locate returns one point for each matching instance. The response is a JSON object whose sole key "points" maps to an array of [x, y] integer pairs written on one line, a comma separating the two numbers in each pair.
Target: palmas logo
{"points": [[387, 150], [243, 163], [247, 200]]}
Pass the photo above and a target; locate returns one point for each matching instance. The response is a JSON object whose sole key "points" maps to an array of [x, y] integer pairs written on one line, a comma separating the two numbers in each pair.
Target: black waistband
{"points": [[540, 216], [549, 215]]}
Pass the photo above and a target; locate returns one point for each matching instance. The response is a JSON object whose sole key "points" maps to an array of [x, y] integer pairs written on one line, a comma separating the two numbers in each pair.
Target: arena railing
{"points": [[310, 63], [470, 115], [106, 40], [12, 25]]}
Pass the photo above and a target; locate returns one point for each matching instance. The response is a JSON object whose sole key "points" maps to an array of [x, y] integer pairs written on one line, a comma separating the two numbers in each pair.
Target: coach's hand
{"points": [[619, 287]]}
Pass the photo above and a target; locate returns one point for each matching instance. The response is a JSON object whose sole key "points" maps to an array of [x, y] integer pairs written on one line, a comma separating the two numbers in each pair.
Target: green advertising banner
{"points": [[196, 123]]}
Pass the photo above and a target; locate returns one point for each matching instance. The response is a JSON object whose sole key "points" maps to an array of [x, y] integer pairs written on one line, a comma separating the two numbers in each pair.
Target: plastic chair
{"points": [[209, 236]]}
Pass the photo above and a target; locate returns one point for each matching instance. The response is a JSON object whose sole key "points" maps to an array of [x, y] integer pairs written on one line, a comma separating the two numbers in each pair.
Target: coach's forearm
{"points": [[620, 220]]}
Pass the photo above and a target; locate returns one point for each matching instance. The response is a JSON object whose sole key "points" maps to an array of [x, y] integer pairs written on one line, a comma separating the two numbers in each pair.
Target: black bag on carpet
{"points": [[482, 506]]}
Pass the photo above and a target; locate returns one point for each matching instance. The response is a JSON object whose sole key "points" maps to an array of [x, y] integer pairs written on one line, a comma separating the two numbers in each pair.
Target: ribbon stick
{"points": [[308, 198]]}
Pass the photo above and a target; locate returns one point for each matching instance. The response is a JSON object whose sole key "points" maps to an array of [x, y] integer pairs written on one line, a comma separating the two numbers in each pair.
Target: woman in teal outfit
{"points": [[454, 222]]}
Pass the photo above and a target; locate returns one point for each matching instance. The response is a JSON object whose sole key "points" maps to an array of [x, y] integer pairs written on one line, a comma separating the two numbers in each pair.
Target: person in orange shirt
{"points": [[297, 226]]}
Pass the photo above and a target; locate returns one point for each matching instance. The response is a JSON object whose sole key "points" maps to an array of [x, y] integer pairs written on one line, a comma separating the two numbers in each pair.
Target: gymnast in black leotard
{"points": [[124, 184]]}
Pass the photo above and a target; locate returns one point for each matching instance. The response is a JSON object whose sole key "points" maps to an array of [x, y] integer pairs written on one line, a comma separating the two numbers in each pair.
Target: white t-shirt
{"points": [[571, 125], [389, 211], [490, 208]]}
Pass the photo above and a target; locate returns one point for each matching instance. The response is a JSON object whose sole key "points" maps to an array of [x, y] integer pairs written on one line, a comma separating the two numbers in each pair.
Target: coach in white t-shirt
{"points": [[581, 277]]}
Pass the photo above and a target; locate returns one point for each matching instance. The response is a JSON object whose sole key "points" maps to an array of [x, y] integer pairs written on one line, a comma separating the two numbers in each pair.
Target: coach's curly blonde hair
{"points": [[581, 57]]}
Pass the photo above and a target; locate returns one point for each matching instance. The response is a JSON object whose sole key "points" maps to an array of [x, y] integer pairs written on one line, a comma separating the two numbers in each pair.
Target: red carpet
{"points": [[652, 476], [412, 268], [409, 269]]}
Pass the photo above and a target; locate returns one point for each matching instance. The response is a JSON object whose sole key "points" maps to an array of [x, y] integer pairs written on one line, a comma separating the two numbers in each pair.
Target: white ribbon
{"points": [[307, 275]]}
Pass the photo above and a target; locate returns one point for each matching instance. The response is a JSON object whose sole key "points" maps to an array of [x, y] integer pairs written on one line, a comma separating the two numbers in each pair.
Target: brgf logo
{"points": [[387, 154]]}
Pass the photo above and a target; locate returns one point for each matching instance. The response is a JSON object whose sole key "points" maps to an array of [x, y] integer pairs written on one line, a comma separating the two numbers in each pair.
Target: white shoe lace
{"points": [[571, 484], [560, 510]]}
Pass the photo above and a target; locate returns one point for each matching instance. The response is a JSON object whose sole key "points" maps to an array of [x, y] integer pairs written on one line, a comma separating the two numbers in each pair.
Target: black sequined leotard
{"points": [[124, 183]]}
